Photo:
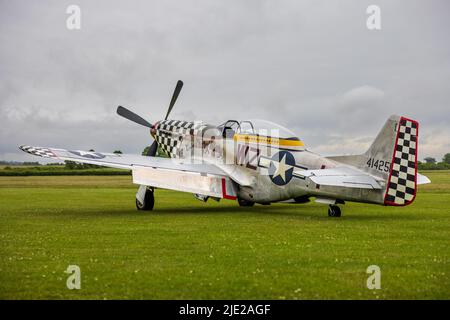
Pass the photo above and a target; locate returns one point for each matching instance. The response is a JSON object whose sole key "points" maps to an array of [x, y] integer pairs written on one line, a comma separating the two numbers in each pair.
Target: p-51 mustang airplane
{"points": [[260, 162]]}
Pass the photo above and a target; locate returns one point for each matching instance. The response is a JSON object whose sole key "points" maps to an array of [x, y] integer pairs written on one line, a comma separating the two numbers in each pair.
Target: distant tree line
{"points": [[431, 163], [159, 152], [18, 163]]}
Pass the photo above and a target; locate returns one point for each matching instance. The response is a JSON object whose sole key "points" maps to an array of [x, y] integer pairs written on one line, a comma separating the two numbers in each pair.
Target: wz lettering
{"points": [[247, 156]]}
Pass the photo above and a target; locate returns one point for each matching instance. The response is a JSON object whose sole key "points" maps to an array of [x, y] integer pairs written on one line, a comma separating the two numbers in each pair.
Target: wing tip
{"points": [[38, 151]]}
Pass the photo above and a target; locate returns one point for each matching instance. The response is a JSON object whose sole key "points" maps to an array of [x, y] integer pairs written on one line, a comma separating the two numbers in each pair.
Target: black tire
{"points": [[245, 203], [302, 199], [334, 211], [149, 201]]}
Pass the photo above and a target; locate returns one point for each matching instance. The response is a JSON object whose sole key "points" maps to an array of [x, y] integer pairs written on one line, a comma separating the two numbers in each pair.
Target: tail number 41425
{"points": [[380, 165]]}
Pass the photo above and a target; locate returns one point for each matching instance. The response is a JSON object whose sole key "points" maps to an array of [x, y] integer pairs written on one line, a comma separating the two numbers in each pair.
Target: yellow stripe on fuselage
{"points": [[247, 138]]}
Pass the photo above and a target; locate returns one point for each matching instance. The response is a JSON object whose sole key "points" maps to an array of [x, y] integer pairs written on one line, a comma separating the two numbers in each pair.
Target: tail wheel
{"points": [[149, 201], [334, 211], [245, 203]]}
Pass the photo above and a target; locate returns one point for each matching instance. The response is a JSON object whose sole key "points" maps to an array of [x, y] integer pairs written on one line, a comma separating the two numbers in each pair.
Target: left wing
{"points": [[174, 174], [340, 177]]}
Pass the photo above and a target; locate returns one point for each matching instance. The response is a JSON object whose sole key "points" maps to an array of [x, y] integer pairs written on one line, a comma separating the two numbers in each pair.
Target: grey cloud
{"points": [[311, 66]]}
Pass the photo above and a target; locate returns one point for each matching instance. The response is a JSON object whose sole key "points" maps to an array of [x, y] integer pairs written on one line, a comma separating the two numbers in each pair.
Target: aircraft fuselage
{"points": [[266, 169]]}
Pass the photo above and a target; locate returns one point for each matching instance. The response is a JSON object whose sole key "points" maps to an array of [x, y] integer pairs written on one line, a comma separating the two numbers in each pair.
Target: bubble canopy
{"points": [[259, 127]]}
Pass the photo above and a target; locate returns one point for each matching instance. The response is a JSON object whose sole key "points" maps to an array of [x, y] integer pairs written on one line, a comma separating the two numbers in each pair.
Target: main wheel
{"points": [[334, 211], [149, 201], [245, 203]]}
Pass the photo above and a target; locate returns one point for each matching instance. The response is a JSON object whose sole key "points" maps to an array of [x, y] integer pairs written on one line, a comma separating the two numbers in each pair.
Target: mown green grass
{"points": [[194, 250], [59, 170]]}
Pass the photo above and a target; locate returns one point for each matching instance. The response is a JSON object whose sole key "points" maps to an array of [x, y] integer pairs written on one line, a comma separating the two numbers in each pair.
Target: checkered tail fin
{"points": [[401, 184], [392, 158]]}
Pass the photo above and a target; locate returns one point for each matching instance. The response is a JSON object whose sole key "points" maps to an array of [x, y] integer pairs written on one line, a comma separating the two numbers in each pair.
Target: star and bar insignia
{"points": [[280, 167]]}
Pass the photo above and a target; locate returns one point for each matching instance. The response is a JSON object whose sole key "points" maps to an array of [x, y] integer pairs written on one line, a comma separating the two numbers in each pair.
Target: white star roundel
{"points": [[88, 154], [281, 167]]}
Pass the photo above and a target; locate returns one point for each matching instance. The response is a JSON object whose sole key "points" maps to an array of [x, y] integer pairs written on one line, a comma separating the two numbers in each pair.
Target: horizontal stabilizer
{"points": [[421, 179], [340, 177]]}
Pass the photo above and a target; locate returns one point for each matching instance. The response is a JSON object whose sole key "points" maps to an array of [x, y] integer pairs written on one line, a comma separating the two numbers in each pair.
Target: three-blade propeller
{"points": [[175, 94], [130, 115]]}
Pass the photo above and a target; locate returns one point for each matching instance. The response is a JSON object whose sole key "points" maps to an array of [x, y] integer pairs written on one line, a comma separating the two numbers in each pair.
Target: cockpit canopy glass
{"points": [[257, 127]]}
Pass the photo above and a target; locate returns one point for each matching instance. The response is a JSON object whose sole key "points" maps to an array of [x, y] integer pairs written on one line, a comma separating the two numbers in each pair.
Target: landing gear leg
{"points": [[245, 203], [147, 201], [334, 211]]}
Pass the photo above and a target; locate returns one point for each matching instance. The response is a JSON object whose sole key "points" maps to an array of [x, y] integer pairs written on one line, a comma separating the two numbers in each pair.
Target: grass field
{"points": [[58, 170], [193, 250]]}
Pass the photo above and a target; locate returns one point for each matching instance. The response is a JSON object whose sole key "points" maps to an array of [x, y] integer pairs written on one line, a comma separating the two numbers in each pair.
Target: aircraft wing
{"points": [[421, 179], [340, 177], [166, 173]]}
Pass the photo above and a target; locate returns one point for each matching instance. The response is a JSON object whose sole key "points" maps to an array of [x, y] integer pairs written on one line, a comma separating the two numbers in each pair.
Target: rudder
{"points": [[402, 182]]}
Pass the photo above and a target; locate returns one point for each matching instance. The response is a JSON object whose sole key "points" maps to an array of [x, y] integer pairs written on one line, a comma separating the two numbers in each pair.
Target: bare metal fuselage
{"points": [[251, 162]]}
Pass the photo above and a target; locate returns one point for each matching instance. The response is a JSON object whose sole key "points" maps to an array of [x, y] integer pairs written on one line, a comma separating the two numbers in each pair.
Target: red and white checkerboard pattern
{"points": [[401, 188]]}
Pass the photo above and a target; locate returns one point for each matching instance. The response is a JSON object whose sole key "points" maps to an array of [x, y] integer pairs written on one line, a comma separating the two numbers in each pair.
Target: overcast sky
{"points": [[312, 66]]}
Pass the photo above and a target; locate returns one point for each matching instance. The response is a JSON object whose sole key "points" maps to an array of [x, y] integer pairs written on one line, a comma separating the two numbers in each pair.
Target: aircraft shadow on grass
{"points": [[302, 213]]}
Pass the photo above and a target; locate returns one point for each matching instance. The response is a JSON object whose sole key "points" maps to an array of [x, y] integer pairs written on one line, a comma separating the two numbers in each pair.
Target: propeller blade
{"points": [[152, 150], [174, 97], [124, 112]]}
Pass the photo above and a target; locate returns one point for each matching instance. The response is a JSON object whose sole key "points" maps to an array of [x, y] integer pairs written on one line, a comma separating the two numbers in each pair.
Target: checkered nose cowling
{"points": [[401, 187], [170, 133]]}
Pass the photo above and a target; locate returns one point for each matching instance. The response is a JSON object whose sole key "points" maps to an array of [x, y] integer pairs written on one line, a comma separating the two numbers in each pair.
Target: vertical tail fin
{"points": [[394, 151], [402, 181], [392, 157]]}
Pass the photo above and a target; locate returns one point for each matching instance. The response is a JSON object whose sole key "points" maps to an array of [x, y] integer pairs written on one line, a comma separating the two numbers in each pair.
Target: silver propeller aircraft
{"points": [[257, 161]]}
